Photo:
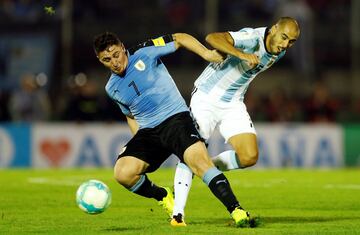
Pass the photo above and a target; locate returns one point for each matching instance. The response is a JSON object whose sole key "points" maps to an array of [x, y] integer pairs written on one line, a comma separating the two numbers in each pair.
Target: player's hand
{"points": [[251, 59], [213, 56]]}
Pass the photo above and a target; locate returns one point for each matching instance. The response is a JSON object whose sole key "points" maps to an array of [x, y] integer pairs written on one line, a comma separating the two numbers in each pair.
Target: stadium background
{"points": [[54, 112]]}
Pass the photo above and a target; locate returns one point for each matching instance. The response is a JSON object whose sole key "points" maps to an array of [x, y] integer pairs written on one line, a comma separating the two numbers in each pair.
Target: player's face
{"points": [[281, 38], [114, 57]]}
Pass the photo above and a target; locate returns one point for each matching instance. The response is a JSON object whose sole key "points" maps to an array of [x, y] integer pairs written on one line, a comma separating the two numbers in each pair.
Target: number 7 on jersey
{"points": [[135, 87]]}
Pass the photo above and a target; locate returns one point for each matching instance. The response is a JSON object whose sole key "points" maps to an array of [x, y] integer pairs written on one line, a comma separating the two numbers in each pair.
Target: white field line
{"points": [[60, 182], [280, 182], [266, 184], [76, 181], [342, 186]]}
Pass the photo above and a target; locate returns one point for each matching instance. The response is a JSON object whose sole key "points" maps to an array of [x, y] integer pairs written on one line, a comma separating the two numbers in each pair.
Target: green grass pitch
{"points": [[287, 201]]}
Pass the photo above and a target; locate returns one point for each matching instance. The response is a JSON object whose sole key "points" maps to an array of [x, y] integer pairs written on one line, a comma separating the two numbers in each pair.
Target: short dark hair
{"points": [[104, 40], [287, 19]]}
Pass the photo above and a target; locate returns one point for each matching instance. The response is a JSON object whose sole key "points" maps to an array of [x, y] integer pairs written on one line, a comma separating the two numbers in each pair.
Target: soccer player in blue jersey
{"points": [[217, 99], [159, 118]]}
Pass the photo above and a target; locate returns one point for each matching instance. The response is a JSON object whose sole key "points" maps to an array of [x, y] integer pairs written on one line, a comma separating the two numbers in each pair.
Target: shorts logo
{"points": [[196, 136], [140, 65], [122, 150]]}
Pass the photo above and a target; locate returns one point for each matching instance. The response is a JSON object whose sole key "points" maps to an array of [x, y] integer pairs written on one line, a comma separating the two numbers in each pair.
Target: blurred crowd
{"points": [[82, 101], [80, 96], [85, 101], [320, 106]]}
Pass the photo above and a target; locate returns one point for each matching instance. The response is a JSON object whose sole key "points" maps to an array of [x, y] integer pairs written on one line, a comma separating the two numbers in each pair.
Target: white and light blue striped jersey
{"points": [[229, 80], [146, 90]]}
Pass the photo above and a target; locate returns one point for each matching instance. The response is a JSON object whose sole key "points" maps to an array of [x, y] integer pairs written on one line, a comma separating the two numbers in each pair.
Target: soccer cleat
{"points": [[177, 221], [241, 217], [168, 202]]}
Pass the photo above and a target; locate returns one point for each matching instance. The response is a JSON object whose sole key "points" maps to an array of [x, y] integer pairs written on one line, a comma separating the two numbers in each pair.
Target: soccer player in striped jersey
{"points": [[217, 99], [158, 117]]}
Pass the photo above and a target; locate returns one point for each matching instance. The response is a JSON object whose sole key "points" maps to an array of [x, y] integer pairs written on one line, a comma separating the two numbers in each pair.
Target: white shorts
{"points": [[231, 118]]}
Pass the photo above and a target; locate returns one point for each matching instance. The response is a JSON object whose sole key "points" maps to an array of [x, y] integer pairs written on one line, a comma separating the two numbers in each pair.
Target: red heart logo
{"points": [[55, 150]]}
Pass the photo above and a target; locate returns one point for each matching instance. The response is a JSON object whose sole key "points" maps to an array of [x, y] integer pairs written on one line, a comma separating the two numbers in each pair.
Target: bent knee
{"points": [[124, 177], [127, 170], [249, 159], [120, 175]]}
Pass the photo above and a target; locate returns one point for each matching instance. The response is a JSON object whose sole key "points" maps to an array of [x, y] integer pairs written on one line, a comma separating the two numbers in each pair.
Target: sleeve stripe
{"points": [[167, 38]]}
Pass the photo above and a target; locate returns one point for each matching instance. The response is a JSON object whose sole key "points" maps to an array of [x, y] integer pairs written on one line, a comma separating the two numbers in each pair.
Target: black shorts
{"points": [[155, 145]]}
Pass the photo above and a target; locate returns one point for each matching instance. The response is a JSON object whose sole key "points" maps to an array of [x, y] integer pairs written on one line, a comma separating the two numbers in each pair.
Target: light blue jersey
{"points": [[229, 80], [147, 90]]}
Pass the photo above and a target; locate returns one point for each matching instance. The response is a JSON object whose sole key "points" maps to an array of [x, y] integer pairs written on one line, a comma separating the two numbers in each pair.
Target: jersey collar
{"points": [[266, 33]]}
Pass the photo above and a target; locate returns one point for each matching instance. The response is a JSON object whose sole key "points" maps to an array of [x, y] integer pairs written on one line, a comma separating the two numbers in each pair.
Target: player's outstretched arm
{"points": [[192, 44], [223, 42]]}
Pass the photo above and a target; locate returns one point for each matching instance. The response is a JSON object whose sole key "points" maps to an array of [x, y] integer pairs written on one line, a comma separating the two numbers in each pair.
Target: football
{"points": [[93, 197]]}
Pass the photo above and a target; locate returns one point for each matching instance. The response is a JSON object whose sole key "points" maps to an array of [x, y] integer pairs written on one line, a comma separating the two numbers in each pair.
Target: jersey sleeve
{"points": [[245, 39], [160, 46], [124, 109], [113, 95]]}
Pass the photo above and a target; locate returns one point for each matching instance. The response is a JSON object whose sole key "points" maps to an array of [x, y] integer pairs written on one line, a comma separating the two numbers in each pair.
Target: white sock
{"points": [[182, 184], [226, 161]]}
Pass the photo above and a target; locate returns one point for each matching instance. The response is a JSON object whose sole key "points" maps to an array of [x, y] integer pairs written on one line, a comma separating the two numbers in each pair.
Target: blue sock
{"points": [[144, 187], [220, 187]]}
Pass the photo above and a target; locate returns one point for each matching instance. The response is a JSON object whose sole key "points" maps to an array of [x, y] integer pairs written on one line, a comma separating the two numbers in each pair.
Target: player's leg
{"points": [[246, 149], [197, 158], [181, 135], [199, 162], [202, 111], [182, 184], [135, 161], [183, 175], [225, 161], [245, 153], [130, 172], [238, 130]]}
